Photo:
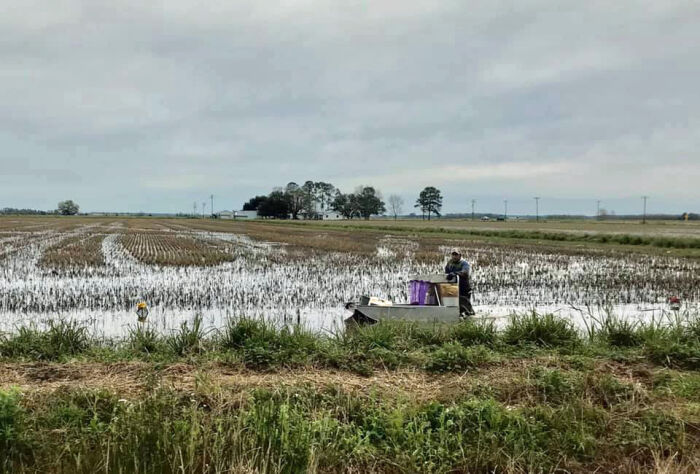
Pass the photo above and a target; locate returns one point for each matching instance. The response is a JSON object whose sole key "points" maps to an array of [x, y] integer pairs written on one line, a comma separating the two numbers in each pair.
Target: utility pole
{"points": [[505, 209], [537, 209], [597, 210], [194, 209], [644, 215], [204, 206], [212, 204], [473, 202]]}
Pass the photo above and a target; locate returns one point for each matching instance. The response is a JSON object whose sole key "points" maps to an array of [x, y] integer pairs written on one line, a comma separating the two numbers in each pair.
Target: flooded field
{"points": [[98, 271]]}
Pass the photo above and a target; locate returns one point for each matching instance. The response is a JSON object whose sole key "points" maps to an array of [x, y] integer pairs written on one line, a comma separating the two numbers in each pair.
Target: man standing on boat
{"points": [[457, 266]]}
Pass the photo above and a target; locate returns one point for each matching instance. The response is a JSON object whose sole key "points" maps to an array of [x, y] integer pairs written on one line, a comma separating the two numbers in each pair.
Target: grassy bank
{"points": [[599, 424], [537, 396], [261, 345]]}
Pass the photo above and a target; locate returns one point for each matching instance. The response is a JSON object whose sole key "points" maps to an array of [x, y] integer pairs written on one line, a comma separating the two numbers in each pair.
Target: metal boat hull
{"points": [[428, 314]]}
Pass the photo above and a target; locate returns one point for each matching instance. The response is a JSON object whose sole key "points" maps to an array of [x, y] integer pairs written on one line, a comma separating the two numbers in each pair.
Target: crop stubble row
{"points": [[171, 249]]}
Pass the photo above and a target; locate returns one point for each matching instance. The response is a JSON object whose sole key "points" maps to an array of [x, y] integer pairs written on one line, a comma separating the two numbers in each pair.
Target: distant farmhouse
{"points": [[331, 216], [326, 215], [238, 214]]}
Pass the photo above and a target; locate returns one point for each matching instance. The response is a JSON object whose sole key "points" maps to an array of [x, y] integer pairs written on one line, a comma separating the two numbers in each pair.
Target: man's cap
{"points": [[456, 252]]}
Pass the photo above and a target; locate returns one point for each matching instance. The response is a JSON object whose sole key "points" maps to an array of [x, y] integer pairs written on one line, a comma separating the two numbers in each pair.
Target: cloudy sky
{"points": [[152, 105]]}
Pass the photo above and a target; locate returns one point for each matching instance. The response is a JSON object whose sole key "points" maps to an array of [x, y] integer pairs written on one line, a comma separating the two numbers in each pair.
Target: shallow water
{"points": [[313, 289]]}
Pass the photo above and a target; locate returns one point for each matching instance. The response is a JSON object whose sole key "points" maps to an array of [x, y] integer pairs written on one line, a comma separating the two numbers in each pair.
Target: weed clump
{"points": [[262, 345], [622, 333], [472, 333], [453, 357], [675, 354], [144, 340], [544, 330], [12, 437], [187, 340], [62, 338], [555, 386]]}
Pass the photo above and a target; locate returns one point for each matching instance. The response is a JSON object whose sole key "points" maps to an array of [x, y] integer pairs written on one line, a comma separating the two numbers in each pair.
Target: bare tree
{"points": [[395, 205]]}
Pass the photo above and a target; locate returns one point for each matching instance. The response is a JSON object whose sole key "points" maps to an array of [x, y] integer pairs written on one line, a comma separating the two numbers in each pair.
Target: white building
{"points": [[331, 216], [245, 214], [237, 214]]}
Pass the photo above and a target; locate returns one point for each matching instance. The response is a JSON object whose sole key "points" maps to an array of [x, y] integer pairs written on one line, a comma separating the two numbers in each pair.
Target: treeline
{"points": [[313, 199], [65, 208], [11, 211]]}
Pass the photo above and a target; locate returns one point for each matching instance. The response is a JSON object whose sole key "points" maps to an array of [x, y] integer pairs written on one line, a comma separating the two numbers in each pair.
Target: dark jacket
{"points": [[464, 270]]}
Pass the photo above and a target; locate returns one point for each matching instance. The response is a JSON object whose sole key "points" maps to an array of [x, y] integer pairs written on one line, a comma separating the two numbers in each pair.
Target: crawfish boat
{"points": [[433, 298]]}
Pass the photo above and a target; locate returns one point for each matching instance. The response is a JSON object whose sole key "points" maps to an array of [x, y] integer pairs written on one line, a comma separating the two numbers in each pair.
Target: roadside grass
{"points": [[331, 429], [264, 345], [539, 397]]}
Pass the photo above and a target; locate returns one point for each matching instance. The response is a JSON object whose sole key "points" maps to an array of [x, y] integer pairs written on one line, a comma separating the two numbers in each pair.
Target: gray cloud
{"points": [[150, 106]]}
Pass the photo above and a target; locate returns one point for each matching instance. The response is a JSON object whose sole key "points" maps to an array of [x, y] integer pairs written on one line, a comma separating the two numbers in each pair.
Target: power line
{"points": [[644, 214], [505, 209], [473, 202], [537, 209]]}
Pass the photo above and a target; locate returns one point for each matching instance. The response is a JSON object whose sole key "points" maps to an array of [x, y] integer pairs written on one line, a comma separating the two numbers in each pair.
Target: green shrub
{"points": [[383, 334], [335, 355], [622, 333], [453, 357], [650, 429], [555, 386], [12, 440], [692, 329], [241, 332], [684, 385], [675, 354], [262, 345], [606, 390], [144, 340], [187, 340], [542, 330], [473, 333], [61, 338]]}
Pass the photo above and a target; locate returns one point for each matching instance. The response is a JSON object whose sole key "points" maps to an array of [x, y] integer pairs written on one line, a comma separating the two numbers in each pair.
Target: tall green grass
{"points": [[295, 429], [61, 338], [264, 345], [188, 339], [261, 344], [545, 330]]}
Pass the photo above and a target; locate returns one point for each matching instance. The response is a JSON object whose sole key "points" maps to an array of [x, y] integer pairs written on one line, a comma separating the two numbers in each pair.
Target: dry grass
{"points": [[508, 381]]}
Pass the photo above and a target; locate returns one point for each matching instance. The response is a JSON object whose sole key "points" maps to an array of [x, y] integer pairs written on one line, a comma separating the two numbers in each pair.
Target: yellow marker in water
{"points": [[142, 311]]}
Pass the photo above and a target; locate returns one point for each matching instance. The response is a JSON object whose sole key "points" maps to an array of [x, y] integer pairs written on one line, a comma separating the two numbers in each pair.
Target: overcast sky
{"points": [[152, 105]]}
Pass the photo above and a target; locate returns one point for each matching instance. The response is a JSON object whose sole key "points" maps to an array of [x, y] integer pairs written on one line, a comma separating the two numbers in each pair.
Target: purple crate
{"points": [[419, 290]]}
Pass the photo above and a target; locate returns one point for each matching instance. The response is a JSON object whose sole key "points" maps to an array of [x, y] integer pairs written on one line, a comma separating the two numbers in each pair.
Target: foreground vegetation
{"points": [[537, 396]]}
